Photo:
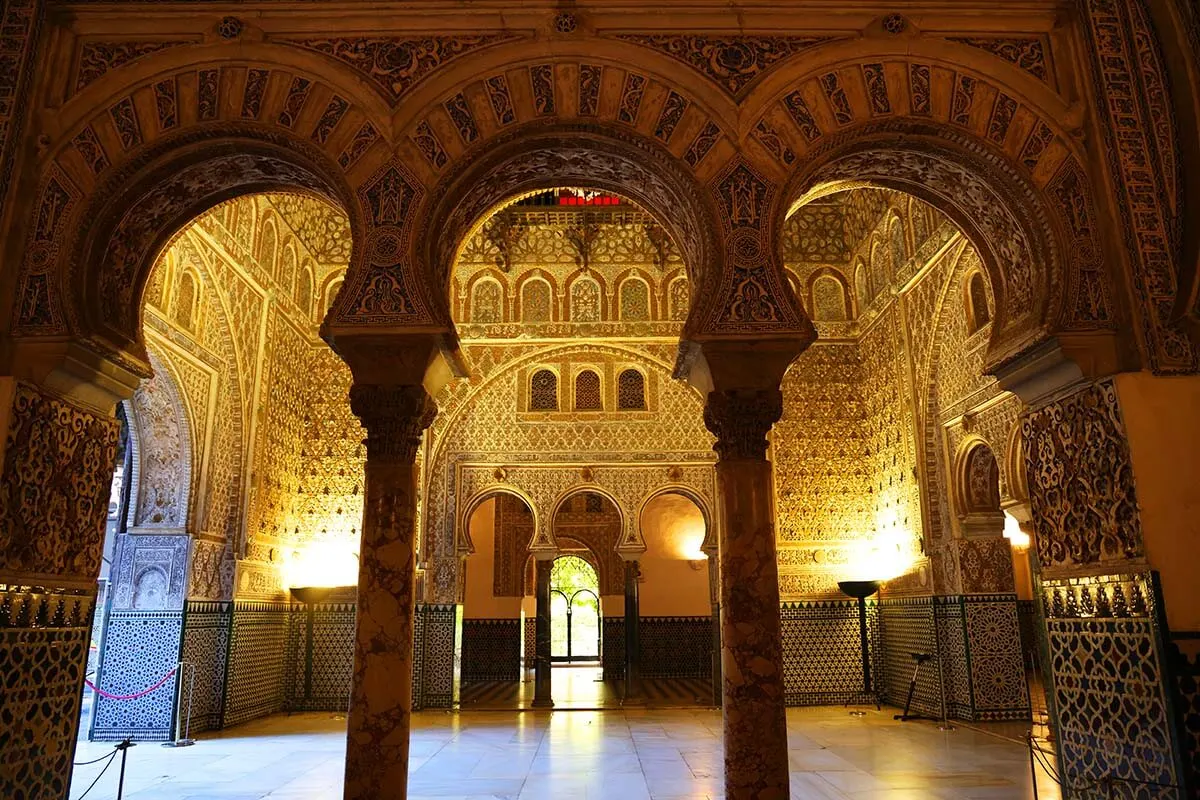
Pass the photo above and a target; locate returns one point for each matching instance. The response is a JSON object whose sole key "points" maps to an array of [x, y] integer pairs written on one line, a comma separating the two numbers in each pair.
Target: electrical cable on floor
{"points": [[93, 761], [111, 757]]}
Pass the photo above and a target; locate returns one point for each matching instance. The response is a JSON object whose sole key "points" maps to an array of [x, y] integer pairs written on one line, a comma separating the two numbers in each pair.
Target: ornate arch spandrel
{"points": [[627, 486], [135, 127], [706, 504], [540, 156], [112, 242], [462, 539], [1004, 215]]}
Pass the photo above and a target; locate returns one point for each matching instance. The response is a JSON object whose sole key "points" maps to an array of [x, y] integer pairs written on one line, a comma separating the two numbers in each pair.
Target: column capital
{"points": [[741, 420], [394, 416]]}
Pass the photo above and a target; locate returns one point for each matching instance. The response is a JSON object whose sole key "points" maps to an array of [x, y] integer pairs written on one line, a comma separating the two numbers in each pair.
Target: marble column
{"points": [[714, 595], [542, 695], [633, 637], [755, 726], [381, 700]]}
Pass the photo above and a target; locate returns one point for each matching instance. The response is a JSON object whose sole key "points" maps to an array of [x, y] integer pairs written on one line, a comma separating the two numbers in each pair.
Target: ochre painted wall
{"points": [[479, 602], [1163, 425], [673, 528]]}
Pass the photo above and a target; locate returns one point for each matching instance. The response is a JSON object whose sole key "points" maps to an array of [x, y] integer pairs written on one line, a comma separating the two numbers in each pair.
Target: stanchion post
{"points": [[124, 748], [183, 722], [944, 725], [1032, 766]]}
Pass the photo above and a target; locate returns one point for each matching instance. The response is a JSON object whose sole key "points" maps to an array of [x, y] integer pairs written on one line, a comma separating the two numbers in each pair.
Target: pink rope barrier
{"points": [[134, 696]]}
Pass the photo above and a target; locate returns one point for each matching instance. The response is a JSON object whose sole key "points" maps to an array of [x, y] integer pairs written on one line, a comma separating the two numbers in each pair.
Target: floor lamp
{"points": [[310, 596], [861, 590]]}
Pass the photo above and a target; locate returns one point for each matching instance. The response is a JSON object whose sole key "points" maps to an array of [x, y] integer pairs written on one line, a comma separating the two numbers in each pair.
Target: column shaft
{"points": [[381, 701], [542, 694], [633, 636], [755, 724]]}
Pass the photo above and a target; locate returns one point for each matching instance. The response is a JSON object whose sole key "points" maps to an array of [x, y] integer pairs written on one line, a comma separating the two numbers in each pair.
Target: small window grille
{"points": [[631, 391], [543, 394], [587, 391]]}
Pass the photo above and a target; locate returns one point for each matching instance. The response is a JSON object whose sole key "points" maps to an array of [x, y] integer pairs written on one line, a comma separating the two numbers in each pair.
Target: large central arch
{"points": [[536, 157]]}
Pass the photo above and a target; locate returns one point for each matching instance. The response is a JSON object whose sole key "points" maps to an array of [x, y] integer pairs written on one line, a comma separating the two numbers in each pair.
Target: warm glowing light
{"points": [[1018, 538], [689, 541], [323, 562], [881, 558]]}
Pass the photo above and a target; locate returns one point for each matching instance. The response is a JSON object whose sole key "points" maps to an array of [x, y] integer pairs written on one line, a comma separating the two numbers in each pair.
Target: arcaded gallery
{"points": [[599, 400]]}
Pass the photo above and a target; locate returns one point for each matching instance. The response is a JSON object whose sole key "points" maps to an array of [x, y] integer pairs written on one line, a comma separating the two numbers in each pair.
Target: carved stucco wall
{"points": [[486, 436], [874, 411], [487, 426], [258, 385]]}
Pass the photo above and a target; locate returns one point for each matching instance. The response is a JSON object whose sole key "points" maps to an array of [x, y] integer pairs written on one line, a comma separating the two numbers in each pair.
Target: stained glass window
{"points": [[587, 391], [631, 391], [543, 391], [585, 301], [635, 300], [486, 302], [535, 301]]}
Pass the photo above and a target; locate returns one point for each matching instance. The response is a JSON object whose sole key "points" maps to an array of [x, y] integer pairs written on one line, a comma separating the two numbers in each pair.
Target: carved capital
{"points": [[741, 420], [394, 417]]}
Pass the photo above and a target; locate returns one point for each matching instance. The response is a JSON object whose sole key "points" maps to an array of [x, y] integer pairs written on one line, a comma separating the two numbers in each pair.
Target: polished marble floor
{"points": [[584, 755], [583, 687]]}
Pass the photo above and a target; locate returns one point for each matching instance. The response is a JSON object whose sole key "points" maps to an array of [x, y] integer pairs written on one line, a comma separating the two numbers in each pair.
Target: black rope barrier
{"points": [[1042, 758], [121, 747], [111, 757]]}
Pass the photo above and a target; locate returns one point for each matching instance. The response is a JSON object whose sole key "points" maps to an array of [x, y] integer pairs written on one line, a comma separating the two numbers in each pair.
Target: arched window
{"points": [[982, 481], [185, 301], [862, 285], [631, 391], [543, 391], [267, 247], [585, 300], [635, 300], [304, 289], [587, 391], [978, 313], [287, 268], [331, 293], [829, 300], [487, 302], [919, 221], [879, 267], [898, 245], [535, 301], [156, 288], [680, 299]]}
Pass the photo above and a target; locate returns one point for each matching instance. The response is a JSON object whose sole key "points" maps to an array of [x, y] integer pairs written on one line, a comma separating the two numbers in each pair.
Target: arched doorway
{"points": [[242, 481], [678, 644], [574, 612], [494, 660]]}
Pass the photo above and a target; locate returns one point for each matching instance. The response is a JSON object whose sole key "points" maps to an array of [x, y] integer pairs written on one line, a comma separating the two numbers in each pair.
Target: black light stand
{"points": [[861, 590], [310, 596]]}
